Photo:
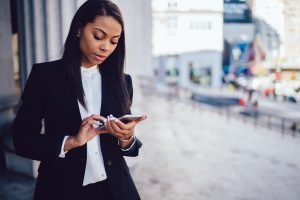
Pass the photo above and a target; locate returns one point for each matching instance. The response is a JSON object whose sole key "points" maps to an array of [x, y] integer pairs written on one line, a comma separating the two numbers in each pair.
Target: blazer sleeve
{"points": [[134, 150], [27, 138]]}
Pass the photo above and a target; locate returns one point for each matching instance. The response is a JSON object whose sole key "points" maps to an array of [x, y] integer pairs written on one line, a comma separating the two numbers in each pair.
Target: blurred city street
{"points": [[193, 153]]}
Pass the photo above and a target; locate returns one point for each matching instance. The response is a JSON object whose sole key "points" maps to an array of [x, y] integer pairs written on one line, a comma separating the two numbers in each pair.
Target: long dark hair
{"points": [[112, 69]]}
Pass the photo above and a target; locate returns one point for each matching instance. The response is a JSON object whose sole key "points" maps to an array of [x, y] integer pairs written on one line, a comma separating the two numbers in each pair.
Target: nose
{"points": [[105, 46]]}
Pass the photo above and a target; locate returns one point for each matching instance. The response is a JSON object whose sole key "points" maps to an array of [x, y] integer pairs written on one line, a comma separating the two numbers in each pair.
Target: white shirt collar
{"points": [[90, 70]]}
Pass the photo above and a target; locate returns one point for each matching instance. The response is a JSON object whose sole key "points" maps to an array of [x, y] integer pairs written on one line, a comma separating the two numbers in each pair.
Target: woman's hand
{"points": [[123, 131], [86, 132]]}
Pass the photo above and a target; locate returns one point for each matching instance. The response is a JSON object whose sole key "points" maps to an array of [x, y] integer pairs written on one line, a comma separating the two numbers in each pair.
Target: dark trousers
{"points": [[96, 191]]}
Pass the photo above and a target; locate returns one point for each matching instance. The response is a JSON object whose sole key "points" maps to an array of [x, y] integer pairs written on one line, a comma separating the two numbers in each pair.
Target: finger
{"points": [[122, 125], [84, 121], [88, 124], [131, 125], [108, 126], [98, 117], [100, 131], [92, 122], [122, 133], [117, 129]]}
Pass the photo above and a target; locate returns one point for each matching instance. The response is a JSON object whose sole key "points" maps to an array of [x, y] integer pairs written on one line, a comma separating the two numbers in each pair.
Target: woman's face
{"points": [[98, 40]]}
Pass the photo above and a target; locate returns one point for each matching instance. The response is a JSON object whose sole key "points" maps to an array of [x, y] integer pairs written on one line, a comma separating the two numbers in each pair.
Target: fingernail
{"points": [[116, 120]]}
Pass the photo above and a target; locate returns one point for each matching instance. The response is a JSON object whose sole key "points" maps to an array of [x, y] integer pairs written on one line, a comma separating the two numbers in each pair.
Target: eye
{"points": [[114, 41], [97, 37]]}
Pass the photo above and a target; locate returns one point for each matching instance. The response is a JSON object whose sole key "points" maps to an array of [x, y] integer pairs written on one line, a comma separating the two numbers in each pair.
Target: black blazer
{"points": [[48, 99]]}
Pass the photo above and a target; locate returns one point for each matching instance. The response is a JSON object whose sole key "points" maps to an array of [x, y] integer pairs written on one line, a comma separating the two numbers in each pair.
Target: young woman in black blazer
{"points": [[71, 97]]}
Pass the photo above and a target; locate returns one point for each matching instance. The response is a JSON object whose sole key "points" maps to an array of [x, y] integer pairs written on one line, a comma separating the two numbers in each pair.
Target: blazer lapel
{"points": [[104, 110], [107, 141], [68, 102], [74, 107]]}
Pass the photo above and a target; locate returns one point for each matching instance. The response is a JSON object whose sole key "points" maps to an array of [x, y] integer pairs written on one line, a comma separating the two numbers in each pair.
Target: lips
{"points": [[99, 57]]}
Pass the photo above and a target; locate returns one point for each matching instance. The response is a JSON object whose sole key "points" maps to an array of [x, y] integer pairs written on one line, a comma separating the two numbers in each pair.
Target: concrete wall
{"points": [[7, 86], [137, 17]]}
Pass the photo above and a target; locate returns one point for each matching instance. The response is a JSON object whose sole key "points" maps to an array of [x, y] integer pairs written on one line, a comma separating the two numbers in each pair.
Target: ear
{"points": [[78, 33]]}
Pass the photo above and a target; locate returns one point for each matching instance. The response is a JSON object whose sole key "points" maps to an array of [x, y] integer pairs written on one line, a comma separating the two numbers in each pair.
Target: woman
{"points": [[79, 161]]}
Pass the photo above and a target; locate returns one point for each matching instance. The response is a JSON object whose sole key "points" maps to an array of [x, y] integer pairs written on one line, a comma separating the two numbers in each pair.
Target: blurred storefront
{"points": [[258, 49]]}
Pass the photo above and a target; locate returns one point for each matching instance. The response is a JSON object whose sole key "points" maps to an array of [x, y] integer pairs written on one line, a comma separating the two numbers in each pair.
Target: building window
{"points": [[200, 75]]}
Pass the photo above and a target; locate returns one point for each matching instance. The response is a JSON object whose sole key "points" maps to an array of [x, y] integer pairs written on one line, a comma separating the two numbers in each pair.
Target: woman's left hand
{"points": [[122, 130]]}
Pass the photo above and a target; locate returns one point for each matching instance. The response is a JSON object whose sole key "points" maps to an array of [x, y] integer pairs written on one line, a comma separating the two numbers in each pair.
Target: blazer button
{"points": [[109, 162]]}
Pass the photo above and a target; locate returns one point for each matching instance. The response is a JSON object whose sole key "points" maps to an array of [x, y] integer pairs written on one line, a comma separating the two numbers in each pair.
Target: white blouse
{"points": [[91, 82]]}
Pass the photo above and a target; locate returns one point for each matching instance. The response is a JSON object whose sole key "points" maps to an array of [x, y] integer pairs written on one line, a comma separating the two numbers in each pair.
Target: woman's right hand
{"points": [[85, 133]]}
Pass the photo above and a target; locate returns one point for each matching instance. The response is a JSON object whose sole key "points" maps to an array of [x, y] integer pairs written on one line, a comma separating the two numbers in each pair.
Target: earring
{"points": [[78, 34]]}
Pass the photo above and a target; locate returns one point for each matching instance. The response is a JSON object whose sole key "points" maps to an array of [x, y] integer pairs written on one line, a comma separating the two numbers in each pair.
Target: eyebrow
{"points": [[98, 29]]}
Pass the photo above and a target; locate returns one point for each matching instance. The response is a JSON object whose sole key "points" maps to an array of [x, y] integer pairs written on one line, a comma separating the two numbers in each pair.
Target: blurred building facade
{"points": [[238, 23], [261, 48], [188, 35], [239, 34], [38, 29], [269, 22], [277, 25], [292, 32]]}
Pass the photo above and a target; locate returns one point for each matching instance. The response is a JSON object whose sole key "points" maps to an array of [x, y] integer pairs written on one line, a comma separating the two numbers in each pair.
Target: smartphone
{"points": [[125, 119], [129, 118]]}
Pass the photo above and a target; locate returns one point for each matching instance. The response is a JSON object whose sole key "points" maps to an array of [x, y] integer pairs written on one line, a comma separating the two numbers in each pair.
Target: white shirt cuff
{"points": [[134, 140], [62, 152]]}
